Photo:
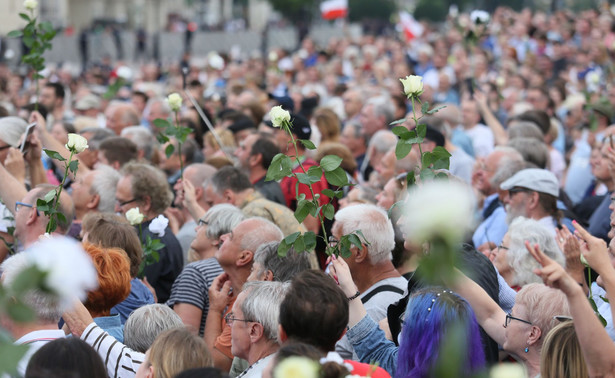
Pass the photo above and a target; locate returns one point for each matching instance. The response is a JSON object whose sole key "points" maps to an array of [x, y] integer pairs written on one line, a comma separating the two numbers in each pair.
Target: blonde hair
{"points": [[226, 137], [176, 350], [561, 355]]}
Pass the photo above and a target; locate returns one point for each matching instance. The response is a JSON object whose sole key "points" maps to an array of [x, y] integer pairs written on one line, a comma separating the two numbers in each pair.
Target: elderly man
{"points": [[533, 193], [44, 327], [230, 185], [235, 256], [270, 266], [376, 114], [145, 187], [481, 135], [254, 324], [121, 115], [370, 265]]}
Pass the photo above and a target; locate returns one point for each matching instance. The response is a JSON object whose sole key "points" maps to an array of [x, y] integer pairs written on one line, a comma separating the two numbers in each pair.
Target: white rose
{"points": [[278, 116], [30, 4], [479, 17], [593, 78], [500, 81], [438, 208], [124, 72], [413, 85], [158, 225], [215, 61], [69, 270], [76, 143], [584, 260], [134, 216], [175, 101]]}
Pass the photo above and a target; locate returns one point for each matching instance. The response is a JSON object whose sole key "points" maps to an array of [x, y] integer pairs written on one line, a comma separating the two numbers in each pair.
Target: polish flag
{"points": [[332, 9], [411, 27]]}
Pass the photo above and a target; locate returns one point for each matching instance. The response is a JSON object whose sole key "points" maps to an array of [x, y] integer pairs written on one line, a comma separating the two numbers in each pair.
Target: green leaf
{"points": [[28, 279], [315, 171], [52, 225], [337, 177], [354, 239], [299, 244], [309, 238], [402, 132], [421, 130], [25, 17], [398, 122], [283, 248], [308, 144], [436, 109], [439, 158], [61, 217], [28, 41], [604, 299], [427, 174], [10, 355], [162, 139], [307, 179], [290, 239], [304, 208], [281, 166], [15, 34], [169, 149], [41, 205], [328, 211], [46, 26], [161, 123], [328, 192], [20, 312], [424, 107], [410, 179], [182, 133], [364, 241], [50, 196], [54, 155], [402, 149], [330, 162], [73, 166]]}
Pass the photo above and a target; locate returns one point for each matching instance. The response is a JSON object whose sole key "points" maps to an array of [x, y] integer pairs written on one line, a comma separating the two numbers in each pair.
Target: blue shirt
{"points": [[112, 325], [139, 296], [494, 227], [370, 345]]}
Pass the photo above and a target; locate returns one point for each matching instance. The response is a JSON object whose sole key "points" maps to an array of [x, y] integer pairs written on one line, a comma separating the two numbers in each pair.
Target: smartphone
{"points": [[24, 142]]}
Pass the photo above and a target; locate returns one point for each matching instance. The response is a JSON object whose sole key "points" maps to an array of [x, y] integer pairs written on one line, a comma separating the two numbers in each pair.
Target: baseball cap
{"points": [[536, 179]]}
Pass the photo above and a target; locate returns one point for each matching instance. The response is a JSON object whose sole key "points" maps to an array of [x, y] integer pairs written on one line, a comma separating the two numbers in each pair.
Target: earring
{"points": [[526, 349]]}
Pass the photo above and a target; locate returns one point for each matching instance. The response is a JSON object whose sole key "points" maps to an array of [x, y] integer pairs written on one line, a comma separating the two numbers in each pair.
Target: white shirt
{"points": [[482, 139], [35, 340]]}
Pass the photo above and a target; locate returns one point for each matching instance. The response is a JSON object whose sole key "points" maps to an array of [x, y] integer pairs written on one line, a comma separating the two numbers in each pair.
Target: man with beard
{"points": [[533, 193]]}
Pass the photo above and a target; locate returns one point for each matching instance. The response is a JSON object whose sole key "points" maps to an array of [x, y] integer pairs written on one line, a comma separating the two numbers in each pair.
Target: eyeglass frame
{"points": [[518, 189], [123, 203], [509, 317], [229, 319], [18, 203], [202, 222]]}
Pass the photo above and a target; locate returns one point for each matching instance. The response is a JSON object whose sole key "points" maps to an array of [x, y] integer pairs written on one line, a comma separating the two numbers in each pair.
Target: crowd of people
{"points": [[527, 104]]}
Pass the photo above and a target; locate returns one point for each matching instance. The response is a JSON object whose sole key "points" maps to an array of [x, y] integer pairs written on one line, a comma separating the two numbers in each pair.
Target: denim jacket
{"points": [[371, 345]]}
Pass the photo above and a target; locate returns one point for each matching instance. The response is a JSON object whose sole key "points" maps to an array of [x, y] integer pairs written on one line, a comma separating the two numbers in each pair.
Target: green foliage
{"points": [[295, 10], [360, 10], [431, 10], [50, 203], [150, 251], [113, 89]]}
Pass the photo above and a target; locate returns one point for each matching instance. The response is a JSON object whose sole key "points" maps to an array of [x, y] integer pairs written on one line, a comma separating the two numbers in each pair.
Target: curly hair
{"points": [[149, 182], [113, 270]]}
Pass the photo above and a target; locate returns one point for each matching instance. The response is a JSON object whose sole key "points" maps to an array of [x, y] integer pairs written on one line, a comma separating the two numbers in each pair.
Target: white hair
{"points": [[262, 304], [142, 137], [265, 232], [104, 184], [519, 259], [146, 323], [374, 224]]}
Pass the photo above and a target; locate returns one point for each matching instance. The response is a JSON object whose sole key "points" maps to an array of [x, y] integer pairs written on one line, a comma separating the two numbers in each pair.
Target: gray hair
{"points": [[524, 129], [11, 130], [384, 107], [166, 109], [383, 140], [99, 134], [375, 225], [46, 305], [357, 128], [533, 151], [104, 184], [146, 323], [222, 219], [519, 259], [282, 268], [262, 304], [142, 137], [265, 232], [198, 173], [510, 163]]}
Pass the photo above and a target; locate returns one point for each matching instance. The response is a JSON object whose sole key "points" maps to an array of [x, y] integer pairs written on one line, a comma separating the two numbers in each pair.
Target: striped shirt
{"points": [[192, 286], [120, 361]]}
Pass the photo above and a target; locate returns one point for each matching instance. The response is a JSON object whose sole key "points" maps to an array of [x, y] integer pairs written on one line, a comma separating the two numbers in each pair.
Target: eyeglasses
{"points": [[516, 190], [509, 317], [333, 241], [17, 204], [202, 222], [122, 203], [502, 247], [229, 319], [5, 147]]}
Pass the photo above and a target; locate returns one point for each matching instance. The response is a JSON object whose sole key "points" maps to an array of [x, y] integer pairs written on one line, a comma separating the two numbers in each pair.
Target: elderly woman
{"points": [[113, 231], [113, 270], [513, 260], [190, 292]]}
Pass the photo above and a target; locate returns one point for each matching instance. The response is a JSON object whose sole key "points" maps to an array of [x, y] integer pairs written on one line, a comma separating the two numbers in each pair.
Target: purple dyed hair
{"points": [[430, 315]]}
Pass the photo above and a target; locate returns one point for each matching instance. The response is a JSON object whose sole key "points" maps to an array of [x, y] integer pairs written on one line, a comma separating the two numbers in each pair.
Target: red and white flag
{"points": [[332, 9], [411, 27]]}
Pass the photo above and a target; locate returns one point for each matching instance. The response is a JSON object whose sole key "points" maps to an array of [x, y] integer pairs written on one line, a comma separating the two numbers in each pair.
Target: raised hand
{"points": [[339, 271], [594, 250], [220, 293], [552, 274]]}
